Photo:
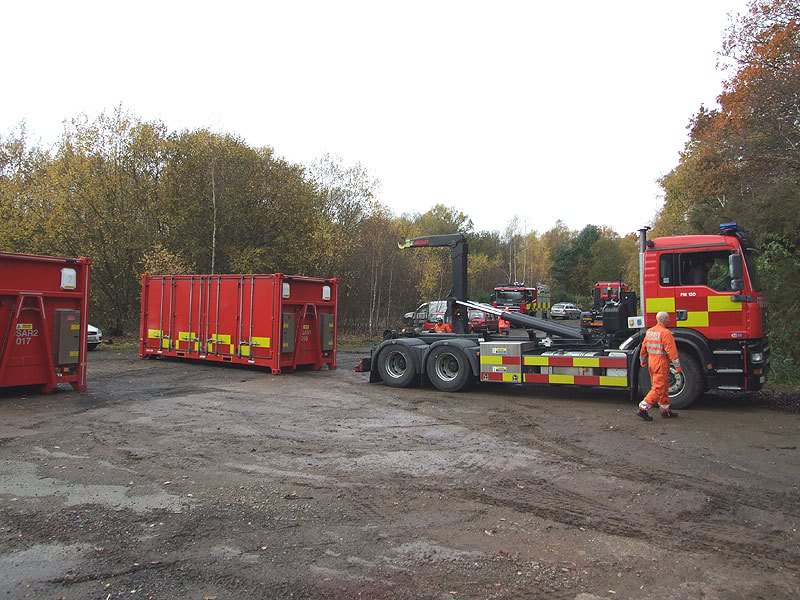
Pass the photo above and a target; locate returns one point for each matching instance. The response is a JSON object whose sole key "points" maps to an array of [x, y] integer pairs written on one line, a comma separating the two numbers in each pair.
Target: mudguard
{"points": [[633, 369]]}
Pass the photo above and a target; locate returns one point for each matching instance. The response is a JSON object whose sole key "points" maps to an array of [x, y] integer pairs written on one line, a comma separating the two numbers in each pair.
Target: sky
{"points": [[546, 111]]}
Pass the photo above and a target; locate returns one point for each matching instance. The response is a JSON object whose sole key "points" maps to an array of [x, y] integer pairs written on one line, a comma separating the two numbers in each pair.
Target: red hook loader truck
{"points": [[707, 283]]}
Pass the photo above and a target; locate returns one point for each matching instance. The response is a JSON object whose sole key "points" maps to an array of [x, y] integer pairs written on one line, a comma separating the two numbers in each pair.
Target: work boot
{"points": [[642, 414], [668, 414]]}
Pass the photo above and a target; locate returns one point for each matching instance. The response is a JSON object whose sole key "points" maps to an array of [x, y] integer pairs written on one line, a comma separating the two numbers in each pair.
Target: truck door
{"points": [[659, 289], [704, 295]]}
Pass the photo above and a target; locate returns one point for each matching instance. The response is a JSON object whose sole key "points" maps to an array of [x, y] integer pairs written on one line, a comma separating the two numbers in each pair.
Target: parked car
{"points": [[481, 321], [424, 318], [94, 338], [565, 310]]}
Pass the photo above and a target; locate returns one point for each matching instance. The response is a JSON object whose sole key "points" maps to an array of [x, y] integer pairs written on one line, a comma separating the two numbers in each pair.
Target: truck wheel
{"points": [[396, 366], [684, 388], [92, 347], [448, 369]]}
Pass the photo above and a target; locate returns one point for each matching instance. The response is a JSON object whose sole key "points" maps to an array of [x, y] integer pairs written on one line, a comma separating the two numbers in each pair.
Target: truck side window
{"points": [[665, 269], [706, 268], [422, 313]]}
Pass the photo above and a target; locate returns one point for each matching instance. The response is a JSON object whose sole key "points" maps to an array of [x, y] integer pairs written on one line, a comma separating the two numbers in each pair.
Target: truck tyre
{"points": [[448, 369], [685, 388], [396, 366], [92, 346]]}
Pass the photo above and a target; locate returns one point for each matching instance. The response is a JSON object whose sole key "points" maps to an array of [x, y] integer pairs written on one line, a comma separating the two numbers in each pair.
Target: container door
{"points": [[24, 355], [156, 314], [223, 315], [257, 319], [185, 337]]}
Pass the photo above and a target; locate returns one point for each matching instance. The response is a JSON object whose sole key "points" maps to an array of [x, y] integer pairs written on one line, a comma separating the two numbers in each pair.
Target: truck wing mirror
{"points": [[735, 267]]}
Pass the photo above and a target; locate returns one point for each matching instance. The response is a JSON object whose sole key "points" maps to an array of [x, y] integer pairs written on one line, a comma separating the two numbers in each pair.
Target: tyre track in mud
{"points": [[552, 502], [558, 505], [695, 532]]}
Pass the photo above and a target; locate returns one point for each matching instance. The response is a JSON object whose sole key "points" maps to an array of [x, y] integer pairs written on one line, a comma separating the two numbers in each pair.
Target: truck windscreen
{"points": [[510, 297]]}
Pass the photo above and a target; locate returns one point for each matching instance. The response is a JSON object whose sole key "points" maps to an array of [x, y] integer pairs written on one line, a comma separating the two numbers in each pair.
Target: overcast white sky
{"points": [[545, 110]]}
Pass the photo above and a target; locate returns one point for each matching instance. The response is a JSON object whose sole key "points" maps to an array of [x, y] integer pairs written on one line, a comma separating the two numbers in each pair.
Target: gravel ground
{"points": [[178, 480]]}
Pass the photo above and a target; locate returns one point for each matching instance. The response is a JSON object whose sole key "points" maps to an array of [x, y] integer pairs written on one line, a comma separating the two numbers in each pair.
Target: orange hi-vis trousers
{"points": [[659, 384]]}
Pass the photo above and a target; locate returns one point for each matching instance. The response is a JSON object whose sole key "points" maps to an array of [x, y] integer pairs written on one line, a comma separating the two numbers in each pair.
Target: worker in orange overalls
{"points": [[658, 351], [503, 326], [442, 326]]}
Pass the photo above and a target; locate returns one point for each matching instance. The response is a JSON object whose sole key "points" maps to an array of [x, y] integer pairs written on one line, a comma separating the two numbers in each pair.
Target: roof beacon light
{"points": [[729, 228]]}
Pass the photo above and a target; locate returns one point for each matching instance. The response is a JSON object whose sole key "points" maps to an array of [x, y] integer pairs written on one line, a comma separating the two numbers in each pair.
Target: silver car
{"points": [[565, 310], [94, 337]]}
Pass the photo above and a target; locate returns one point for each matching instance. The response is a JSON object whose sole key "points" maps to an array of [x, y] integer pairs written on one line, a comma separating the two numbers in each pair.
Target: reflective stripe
{"points": [[676, 363], [723, 304], [655, 305]]}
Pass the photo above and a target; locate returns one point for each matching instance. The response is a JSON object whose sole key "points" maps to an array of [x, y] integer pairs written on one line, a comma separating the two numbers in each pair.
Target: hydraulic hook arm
{"points": [[457, 243]]}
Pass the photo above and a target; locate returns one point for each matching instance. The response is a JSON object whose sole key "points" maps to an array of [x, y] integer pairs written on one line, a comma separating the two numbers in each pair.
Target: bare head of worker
{"points": [[662, 317]]}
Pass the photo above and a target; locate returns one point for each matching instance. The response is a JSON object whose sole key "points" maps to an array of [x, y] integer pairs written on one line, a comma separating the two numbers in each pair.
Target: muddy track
{"points": [[180, 480]]}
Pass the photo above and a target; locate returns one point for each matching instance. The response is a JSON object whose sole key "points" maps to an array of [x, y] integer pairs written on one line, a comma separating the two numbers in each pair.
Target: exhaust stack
{"points": [[642, 248]]}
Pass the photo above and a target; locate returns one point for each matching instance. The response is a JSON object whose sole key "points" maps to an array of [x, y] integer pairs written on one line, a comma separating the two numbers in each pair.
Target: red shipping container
{"points": [[44, 313], [276, 321]]}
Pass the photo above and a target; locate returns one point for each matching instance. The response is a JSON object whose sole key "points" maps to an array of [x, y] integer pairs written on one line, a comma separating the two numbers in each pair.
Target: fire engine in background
{"points": [[517, 297], [608, 291], [707, 284], [604, 293]]}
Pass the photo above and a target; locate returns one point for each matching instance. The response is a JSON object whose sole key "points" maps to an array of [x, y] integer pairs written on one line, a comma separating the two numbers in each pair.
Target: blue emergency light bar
{"points": [[729, 228]]}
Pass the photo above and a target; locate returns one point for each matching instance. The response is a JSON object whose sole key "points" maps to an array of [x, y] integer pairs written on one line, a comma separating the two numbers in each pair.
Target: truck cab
{"points": [[515, 298], [607, 291], [709, 286]]}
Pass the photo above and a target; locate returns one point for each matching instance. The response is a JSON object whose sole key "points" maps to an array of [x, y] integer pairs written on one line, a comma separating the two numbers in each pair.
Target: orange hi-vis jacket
{"points": [[658, 348], [442, 328]]}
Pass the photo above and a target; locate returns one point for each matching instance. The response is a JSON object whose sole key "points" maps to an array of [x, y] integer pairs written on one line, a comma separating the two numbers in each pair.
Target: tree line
{"points": [[139, 198]]}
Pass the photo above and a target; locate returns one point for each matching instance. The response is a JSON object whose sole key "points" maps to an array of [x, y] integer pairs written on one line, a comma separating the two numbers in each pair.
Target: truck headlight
{"points": [[757, 357]]}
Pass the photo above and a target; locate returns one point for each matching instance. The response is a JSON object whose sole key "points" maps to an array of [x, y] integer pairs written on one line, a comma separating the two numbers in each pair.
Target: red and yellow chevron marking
{"points": [[593, 380], [701, 311], [507, 369], [500, 360], [601, 362], [590, 380], [596, 362]]}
